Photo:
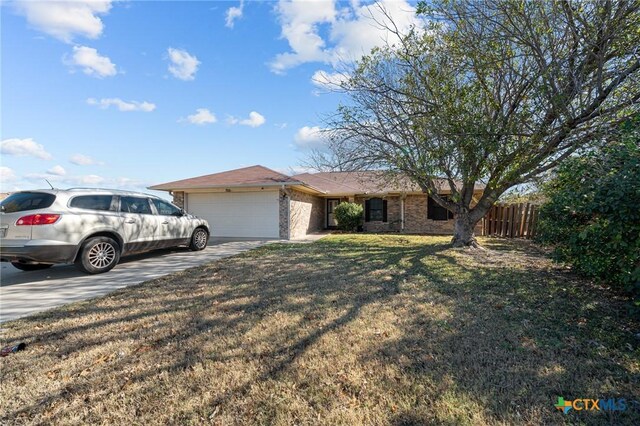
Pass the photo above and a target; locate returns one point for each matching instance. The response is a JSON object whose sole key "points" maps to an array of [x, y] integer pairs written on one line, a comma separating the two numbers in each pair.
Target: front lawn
{"points": [[347, 330]]}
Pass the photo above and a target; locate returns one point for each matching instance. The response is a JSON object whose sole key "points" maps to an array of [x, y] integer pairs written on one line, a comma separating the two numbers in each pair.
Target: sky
{"points": [[128, 94]]}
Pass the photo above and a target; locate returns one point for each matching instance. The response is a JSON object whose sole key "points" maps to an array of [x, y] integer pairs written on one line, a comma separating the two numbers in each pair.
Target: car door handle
{"points": [[131, 221], [165, 222]]}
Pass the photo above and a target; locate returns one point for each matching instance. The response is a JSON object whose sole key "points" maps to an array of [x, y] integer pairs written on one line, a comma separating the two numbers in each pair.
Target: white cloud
{"points": [[65, 19], [234, 13], [183, 65], [349, 31], [300, 22], [122, 105], [307, 138], [202, 116], [328, 80], [91, 62], [7, 174], [87, 180], [57, 170], [24, 148], [255, 120], [82, 160]]}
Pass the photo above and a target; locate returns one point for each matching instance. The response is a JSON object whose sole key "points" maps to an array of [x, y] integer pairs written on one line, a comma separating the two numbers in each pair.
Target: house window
{"points": [[375, 209], [436, 212]]}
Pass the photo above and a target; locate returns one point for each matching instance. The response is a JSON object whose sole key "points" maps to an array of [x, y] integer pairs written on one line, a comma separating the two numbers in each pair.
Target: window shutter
{"points": [[384, 210], [367, 211]]}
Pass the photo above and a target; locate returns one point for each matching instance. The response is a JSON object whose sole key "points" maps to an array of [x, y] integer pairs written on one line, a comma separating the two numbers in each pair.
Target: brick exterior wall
{"points": [[178, 199], [283, 219], [306, 213], [394, 216], [415, 217]]}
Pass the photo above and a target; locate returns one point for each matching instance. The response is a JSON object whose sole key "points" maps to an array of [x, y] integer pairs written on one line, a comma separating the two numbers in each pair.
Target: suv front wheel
{"points": [[98, 255], [199, 239]]}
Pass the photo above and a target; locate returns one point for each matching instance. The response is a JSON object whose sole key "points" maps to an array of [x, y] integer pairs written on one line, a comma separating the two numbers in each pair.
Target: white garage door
{"points": [[238, 214]]}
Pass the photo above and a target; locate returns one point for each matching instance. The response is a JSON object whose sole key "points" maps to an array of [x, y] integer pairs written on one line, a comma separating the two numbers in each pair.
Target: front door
{"points": [[332, 203]]}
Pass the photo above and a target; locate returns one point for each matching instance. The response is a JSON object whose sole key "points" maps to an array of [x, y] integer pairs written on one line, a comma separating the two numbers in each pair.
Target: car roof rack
{"points": [[119, 191]]}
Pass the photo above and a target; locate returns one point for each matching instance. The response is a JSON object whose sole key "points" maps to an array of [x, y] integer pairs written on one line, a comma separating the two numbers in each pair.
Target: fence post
{"points": [[505, 215], [534, 222]]}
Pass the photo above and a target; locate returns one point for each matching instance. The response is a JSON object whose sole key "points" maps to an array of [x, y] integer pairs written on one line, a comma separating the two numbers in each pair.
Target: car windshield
{"points": [[22, 201]]}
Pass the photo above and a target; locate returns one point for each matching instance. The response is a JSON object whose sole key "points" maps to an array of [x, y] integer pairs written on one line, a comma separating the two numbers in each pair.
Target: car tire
{"points": [[31, 266], [98, 255], [199, 239]]}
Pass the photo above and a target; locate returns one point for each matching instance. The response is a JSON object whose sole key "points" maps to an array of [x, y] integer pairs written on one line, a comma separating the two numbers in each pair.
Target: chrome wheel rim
{"points": [[200, 239], [102, 255]]}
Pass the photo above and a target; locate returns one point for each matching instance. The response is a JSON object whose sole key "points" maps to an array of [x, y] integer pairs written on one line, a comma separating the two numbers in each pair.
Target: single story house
{"points": [[257, 202]]}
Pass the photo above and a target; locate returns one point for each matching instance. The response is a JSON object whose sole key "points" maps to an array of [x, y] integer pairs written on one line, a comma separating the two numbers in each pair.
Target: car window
{"points": [[165, 208], [135, 205], [92, 202], [22, 201]]}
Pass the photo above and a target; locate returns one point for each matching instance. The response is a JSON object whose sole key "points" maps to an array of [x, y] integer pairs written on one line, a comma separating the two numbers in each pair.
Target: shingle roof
{"points": [[371, 182], [355, 182], [328, 183], [247, 176]]}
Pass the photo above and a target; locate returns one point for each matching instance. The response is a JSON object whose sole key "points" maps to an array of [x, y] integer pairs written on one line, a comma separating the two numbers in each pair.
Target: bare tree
{"points": [[498, 92]]}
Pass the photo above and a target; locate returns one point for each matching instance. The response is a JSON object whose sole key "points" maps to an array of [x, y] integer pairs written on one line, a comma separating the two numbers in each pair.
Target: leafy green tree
{"points": [[496, 92], [348, 216], [592, 217]]}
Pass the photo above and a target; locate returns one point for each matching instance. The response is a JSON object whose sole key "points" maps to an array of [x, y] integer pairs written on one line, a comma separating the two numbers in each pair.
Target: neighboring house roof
{"points": [[247, 176], [327, 183]]}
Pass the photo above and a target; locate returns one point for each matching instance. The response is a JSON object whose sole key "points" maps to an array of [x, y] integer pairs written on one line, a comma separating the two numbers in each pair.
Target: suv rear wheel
{"points": [[31, 266], [98, 255]]}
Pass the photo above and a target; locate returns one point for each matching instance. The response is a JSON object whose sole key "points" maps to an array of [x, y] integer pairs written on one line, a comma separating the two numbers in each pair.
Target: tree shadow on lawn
{"points": [[344, 330], [511, 347]]}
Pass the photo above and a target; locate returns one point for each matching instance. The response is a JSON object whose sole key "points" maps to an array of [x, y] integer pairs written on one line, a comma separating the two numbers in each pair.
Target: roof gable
{"points": [[247, 176]]}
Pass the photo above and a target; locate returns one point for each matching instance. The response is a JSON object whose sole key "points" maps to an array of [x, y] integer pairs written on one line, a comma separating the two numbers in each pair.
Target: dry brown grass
{"points": [[348, 330]]}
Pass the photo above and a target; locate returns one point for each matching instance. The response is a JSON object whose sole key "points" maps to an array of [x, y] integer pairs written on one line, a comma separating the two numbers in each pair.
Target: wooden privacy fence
{"points": [[511, 221]]}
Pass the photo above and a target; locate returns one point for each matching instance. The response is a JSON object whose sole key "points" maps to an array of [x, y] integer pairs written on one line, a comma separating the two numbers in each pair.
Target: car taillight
{"points": [[38, 219]]}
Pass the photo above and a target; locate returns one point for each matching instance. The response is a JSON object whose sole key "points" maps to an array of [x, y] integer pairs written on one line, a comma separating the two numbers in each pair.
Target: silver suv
{"points": [[91, 228]]}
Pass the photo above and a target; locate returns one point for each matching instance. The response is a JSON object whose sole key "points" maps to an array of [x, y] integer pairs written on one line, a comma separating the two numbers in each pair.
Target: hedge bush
{"points": [[592, 216], [348, 216]]}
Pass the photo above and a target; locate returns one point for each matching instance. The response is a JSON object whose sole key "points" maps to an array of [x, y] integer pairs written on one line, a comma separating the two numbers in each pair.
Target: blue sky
{"points": [[127, 94]]}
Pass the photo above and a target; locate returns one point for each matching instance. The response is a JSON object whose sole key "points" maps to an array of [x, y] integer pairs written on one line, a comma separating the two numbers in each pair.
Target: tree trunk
{"points": [[463, 235]]}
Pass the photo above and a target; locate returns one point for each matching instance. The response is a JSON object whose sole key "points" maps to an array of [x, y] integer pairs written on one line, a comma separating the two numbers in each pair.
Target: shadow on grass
{"points": [[391, 329]]}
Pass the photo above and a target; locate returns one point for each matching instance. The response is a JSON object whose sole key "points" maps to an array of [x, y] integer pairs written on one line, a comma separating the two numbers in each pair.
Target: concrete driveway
{"points": [[24, 293]]}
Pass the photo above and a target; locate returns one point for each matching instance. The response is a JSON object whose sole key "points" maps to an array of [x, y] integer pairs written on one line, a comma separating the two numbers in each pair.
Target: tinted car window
{"points": [[22, 201], [166, 209], [135, 205], [92, 202]]}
